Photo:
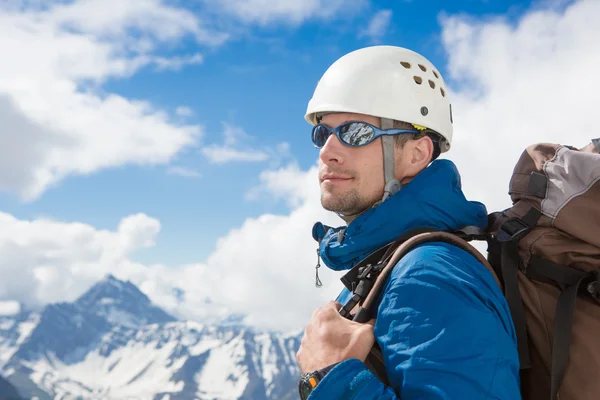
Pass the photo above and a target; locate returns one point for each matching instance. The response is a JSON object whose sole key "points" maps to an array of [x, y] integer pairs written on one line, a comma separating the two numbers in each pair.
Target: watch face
{"points": [[305, 389], [307, 384]]}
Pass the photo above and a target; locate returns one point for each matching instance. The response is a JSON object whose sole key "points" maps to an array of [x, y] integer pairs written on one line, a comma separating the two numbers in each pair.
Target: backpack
{"points": [[544, 252]]}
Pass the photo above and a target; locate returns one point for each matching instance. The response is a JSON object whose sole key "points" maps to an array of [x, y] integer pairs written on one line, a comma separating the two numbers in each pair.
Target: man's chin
{"points": [[330, 205], [340, 205], [335, 205], [329, 199]]}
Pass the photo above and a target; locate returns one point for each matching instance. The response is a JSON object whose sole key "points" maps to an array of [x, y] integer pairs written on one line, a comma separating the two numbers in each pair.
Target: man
{"points": [[381, 118]]}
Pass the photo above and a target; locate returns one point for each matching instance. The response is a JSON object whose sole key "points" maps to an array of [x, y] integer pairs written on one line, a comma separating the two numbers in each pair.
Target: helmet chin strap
{"points": [[392, 186]]}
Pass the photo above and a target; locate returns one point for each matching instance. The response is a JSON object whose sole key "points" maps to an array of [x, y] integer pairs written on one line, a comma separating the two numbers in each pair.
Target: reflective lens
{"points": [[356, 134], [351, 134], [320, 135]]}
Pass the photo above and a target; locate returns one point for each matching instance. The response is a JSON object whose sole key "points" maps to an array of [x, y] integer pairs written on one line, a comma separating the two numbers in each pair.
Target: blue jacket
{"points": [[443, 324]]}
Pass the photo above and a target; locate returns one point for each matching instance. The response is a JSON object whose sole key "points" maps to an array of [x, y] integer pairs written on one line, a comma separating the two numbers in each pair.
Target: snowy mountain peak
{"points": [[122, 303], [111, 288], [114, 344]]}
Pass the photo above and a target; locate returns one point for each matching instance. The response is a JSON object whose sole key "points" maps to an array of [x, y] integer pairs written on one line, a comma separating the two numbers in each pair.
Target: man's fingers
{"points": [[367, 327], [330, 311], [333, 304], [314, 313]]}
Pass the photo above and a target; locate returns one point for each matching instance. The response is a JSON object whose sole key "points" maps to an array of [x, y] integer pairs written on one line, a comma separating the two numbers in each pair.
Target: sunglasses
{"points": [[353, 133]]}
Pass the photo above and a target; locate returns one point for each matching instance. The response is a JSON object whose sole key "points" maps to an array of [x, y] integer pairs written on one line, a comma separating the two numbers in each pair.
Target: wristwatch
{"points": [[309, 381]]}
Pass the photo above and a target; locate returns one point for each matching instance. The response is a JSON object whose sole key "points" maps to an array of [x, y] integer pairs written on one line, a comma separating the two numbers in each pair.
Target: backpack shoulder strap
{"points": [[359, 280], [374, 360], [363, 313]]}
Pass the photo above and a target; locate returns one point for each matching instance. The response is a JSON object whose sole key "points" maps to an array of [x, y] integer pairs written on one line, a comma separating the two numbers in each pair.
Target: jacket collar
{"points": [[434, 198]]}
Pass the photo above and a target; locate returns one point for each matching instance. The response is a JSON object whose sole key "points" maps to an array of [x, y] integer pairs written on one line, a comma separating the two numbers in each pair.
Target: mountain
{"points": [[122, 303], [8, 391], [113, 343]]}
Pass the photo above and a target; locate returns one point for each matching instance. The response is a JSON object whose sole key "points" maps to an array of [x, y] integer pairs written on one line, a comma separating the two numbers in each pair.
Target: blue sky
{"points": [[79, 149]]}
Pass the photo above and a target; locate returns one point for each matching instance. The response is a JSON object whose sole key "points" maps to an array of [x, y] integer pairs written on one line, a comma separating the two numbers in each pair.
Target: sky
{"points": [[164, 141]]}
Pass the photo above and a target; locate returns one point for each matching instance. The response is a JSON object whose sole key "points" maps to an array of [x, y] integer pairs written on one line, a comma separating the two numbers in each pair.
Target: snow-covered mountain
{"points": [[113, 343], [8, 391]]}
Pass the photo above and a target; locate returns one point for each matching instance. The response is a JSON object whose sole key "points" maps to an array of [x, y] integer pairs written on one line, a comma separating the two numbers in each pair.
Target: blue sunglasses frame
{"points": [[337, 131]]}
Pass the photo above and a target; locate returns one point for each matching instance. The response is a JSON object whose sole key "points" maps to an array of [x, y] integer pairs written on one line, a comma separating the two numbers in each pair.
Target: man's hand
{"points": [[330, 338]]}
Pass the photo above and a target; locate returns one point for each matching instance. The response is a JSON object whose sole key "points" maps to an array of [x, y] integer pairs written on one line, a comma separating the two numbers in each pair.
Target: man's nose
{"points": [[332, 151]]}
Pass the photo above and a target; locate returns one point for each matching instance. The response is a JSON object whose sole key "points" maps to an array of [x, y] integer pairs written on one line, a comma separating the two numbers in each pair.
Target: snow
{"points": [[26, 327], [204, 345], [6, 352], [141, 367], [7, 324], [9, 344], [268, 360], [222, 367], [139, 371], [120, 317]]}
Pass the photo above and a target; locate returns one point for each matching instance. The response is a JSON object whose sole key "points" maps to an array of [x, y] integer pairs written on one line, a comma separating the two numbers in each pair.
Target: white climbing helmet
{"points": [[388, 82]]}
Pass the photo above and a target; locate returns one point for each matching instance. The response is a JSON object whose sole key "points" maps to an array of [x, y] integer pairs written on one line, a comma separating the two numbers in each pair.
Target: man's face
{"points": [[351, 178]]}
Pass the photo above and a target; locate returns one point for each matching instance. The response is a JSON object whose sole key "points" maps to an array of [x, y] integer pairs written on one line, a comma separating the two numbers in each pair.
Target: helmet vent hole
{"points": [[418, 79], [443, 92], [431, 84], [435, 73], [423, 68], [405, 64]]}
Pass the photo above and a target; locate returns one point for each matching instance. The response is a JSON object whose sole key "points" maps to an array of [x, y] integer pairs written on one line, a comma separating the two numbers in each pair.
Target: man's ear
{"points": [[415, 156], [421, 152]]}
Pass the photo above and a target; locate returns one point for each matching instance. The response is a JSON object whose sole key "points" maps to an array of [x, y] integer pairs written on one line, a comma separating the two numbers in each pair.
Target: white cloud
{"points": [[234, 134], [183, 171], [176, 63], [288, 183], [520, 84], [222, 154], [184, 111], [152, 19], [234, 148], [263, 12], [57, 120], [8, 308], [378, 26], [50, 261]]}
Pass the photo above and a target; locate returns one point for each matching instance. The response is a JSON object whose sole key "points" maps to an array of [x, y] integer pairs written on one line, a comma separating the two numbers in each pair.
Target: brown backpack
{"points": [[544, 252]]}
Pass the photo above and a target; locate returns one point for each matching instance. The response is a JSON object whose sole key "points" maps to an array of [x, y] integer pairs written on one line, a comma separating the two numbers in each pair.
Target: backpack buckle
{"points": [[363, 272], [593, 288], [511, 229]]}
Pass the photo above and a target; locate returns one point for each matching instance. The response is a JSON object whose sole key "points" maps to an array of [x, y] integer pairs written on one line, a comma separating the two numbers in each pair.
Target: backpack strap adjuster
{"points": [[511, 229], [514, 228]]}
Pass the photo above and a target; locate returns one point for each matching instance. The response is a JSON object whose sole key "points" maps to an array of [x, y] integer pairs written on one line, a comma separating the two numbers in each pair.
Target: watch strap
{"points": [[312, 379]]}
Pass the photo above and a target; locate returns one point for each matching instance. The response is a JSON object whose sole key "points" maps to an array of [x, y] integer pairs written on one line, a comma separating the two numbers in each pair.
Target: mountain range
{"points": [[114, 343]]}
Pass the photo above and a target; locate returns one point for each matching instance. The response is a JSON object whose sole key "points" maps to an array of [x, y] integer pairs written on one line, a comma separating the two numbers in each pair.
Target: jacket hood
{"points": [[433, 198]]}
